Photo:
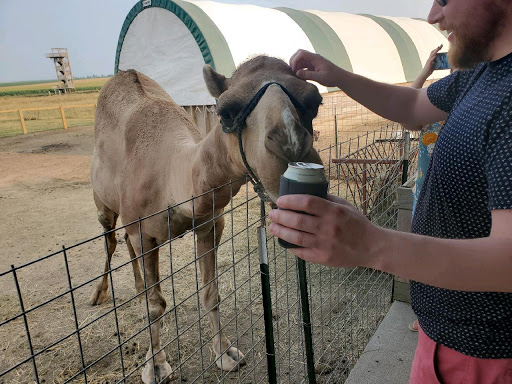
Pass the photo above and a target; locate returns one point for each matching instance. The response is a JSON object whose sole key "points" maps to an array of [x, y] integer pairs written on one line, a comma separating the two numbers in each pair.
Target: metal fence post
{"points": [[306, 321], [407, 150], [336, 130], [336, 140], [267, 297], [267, 305], [365, 191]]}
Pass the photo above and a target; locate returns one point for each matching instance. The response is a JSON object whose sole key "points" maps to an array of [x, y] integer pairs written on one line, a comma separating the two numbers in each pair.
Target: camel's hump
{"points": [[137, 81]]}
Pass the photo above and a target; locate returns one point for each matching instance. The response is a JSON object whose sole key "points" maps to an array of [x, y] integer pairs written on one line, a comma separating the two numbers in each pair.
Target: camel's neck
{"points": [[216, 164]]}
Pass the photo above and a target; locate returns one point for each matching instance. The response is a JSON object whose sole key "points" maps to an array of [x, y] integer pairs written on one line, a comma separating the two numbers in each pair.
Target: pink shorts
{"points": [[436, 364]]}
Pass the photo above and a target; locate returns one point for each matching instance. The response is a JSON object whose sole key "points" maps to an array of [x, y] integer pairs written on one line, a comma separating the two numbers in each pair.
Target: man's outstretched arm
{"points": [[402, 104]]}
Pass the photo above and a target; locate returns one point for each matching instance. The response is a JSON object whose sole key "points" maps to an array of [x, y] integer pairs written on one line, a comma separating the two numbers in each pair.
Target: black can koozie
{"points": [[302, 178]]}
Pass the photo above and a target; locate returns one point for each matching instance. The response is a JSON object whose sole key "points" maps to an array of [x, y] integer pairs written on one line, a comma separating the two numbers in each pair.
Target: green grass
{"points": [[42, 91], [42, 87], [20, 83]]}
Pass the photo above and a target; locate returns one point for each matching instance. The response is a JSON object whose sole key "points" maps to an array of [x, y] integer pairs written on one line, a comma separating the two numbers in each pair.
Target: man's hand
{"points": [[311, 66], [334, 233]]}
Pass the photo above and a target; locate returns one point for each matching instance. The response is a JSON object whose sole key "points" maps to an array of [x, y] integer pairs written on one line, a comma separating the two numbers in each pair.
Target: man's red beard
{"points": [[473, 42]]}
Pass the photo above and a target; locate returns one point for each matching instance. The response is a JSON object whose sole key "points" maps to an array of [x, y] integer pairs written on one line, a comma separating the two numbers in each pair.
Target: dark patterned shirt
{"points": [[470, 175]]}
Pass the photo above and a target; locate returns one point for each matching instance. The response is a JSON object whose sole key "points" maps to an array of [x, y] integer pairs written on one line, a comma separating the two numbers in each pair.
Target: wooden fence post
{"points": [[63, 117], [22, 119]]}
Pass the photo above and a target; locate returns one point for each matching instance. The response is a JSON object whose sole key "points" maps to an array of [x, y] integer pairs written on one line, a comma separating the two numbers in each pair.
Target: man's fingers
{"points": [[292, 60], [307, 254], [295, 220], [338, 200], [312, 205], [303, 203], [298, 60], [305, 74], [293, 236]]}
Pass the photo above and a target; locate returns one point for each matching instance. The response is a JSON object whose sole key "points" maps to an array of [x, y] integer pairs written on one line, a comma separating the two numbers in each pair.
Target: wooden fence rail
{"points": [[61, 108]]}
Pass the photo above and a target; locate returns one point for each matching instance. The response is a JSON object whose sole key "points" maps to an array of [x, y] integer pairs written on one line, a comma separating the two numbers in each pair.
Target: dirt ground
{"points": [[37, 173], [46, 202]]}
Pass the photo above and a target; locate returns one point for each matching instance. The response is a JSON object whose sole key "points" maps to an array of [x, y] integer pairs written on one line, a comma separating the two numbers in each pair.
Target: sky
{"points": [[89, 29]]}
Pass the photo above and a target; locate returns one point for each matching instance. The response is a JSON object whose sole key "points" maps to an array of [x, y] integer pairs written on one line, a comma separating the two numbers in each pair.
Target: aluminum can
{"points": [[303, 178]]}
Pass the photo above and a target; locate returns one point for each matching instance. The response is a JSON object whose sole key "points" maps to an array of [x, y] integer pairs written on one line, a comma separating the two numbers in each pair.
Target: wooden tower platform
{"points": [[63, 68]]}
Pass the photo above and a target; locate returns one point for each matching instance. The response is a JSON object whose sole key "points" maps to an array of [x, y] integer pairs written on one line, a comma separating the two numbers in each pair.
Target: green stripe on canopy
{"points": [[409, 56], [209, 39], [323, 38], [218, 46]]}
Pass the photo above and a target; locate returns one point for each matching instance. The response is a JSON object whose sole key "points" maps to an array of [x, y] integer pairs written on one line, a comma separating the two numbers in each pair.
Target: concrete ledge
{"points": [[388, 356]]}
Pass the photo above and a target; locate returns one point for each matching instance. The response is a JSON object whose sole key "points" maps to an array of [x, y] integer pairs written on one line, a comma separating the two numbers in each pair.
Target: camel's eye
{"points": [[311, 103], [228, 113], [226, 117]]}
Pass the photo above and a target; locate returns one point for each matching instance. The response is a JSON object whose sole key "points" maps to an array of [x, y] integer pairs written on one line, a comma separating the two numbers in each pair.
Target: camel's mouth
{"points": [[270, 199]]}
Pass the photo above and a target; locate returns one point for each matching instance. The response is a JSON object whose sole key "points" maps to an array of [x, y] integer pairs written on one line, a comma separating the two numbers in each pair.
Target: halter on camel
{"points": [[240, 123]]}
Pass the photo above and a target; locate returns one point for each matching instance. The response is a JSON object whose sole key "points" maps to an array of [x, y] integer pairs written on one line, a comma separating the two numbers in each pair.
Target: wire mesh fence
{"points": [[204, 299], [340, 118]]}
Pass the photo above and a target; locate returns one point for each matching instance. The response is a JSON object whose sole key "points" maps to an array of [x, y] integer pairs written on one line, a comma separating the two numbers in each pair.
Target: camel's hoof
{"points": [[99, 297], [231, 360], [162, 372]]}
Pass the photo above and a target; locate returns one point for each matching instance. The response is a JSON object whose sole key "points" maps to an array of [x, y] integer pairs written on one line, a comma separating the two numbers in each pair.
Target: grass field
{"points": [[42, 87], [34, 94], [17, 83]]}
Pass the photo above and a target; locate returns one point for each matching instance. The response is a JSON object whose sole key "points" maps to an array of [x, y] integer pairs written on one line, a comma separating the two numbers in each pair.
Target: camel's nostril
{"points": [[275, 145], [290, 143]]}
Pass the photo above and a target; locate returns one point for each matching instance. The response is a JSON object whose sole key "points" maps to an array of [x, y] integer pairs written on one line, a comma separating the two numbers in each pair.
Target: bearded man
{"points": [[459, 254]]}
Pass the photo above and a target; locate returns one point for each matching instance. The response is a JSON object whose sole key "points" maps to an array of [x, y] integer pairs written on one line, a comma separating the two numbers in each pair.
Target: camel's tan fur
{"points": [[148, 155]]}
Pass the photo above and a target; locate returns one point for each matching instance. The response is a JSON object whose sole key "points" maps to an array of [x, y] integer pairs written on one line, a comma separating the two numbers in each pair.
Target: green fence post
{"points": [[306, 321], [267, 299]]}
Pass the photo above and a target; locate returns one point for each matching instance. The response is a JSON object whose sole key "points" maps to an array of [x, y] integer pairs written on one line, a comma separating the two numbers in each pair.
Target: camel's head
{"points": [[279, 129]]}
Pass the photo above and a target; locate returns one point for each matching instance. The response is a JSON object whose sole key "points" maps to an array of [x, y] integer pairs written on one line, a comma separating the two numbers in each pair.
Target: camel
{"points": [[149, 155]]}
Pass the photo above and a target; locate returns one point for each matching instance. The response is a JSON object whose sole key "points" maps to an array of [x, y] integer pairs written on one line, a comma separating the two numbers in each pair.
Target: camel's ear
{"points": [[215, 82]]}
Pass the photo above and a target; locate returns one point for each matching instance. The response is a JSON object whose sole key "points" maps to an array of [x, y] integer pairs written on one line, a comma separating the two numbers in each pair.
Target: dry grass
{"points": [[346, 307], [19, 102]]}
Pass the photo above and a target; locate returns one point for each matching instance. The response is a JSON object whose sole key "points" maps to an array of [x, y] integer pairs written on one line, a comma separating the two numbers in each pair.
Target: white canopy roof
{"points": [[170, 41]]}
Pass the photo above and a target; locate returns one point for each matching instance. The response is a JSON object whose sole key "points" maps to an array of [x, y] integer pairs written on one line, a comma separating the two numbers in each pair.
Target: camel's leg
{"points": [[227, 357], [139, 282], [161, 370], [107, 219]]}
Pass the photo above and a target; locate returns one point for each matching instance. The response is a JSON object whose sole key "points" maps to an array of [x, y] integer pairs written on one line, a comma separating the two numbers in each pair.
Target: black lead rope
{"points": [[240, 123]]}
